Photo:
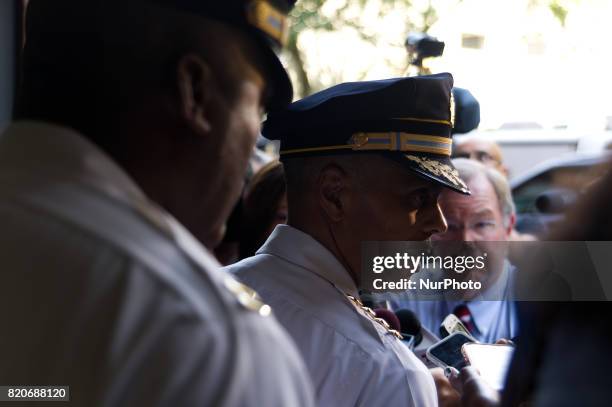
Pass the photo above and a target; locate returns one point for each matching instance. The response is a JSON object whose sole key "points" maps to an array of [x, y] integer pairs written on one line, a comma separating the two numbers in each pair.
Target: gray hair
{"points": [[469, 169]]}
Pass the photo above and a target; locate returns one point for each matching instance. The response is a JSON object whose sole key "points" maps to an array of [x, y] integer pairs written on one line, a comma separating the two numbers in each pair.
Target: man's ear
{"points": [[511, 224], [195, 87], [332, 192], [504, 170]]}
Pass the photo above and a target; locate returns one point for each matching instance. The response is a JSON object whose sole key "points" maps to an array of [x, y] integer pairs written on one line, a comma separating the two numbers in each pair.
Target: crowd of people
{"points": [[153, 256]]}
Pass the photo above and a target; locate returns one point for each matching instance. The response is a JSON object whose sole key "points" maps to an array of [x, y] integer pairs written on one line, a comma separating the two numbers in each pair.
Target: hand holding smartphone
{"points": [[447, 352], [492, 361]]}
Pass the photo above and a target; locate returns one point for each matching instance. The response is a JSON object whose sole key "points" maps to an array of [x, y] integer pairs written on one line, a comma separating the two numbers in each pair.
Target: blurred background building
{"points": [[531, 63]]}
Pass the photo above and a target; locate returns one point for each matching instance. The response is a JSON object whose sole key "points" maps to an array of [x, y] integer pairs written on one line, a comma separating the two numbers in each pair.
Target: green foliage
{"points": [[307, 15], [429, 18], [558, 11], [559, 8]]}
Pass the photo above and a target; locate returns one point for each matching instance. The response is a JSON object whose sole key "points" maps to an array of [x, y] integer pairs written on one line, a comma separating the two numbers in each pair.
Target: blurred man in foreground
{"points": [[363, 161], [579, 331], [482, 223], [137, 116]]}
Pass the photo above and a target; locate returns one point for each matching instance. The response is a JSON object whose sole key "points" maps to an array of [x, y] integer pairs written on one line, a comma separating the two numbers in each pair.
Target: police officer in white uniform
{"points": [[363, 161], [135, 119]]}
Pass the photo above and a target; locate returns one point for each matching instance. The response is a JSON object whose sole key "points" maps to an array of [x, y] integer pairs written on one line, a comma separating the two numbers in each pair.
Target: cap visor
{"points": [[434, 168]]}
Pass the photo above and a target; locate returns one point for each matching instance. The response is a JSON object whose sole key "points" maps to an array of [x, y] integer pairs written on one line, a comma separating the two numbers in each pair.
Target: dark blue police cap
{"points": [[265, 20], [405, 119]]}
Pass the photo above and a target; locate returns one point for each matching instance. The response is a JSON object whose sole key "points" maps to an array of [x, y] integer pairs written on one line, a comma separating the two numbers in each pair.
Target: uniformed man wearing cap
{"points": [[364, 161], [137, 119]]}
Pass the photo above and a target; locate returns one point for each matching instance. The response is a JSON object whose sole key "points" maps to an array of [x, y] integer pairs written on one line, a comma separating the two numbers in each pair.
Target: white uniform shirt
{"points": [[353, 360], [106, 293]]}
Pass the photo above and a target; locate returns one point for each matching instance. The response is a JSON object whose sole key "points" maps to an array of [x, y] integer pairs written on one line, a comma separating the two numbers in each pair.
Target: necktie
{"points": [[465, 316]]}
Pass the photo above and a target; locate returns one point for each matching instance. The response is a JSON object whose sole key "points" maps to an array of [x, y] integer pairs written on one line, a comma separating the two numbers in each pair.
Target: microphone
{"points": [[389, 317], [452, 324], [410, 325]]}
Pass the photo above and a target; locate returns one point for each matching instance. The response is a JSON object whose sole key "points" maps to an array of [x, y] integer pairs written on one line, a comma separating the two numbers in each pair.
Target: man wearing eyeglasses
{"points": [[477, 224]]}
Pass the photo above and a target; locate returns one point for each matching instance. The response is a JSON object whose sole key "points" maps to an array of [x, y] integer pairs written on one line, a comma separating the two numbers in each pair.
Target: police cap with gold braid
{"points": [[407, 120], [265, 21]]}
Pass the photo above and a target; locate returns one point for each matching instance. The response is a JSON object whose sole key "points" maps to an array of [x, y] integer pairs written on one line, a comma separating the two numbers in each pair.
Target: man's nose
{"points": [[437, 222], [467, 234]]}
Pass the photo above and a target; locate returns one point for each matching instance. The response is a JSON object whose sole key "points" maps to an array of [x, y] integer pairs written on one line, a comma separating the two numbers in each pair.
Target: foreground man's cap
{"points": [[71, 26], [265, 21], [407, 120]]}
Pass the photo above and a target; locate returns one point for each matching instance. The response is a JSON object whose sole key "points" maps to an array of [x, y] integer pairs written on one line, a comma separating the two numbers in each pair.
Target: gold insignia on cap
{"points": [[440, 170], [247, 297], [268, 19], [359, 140]]}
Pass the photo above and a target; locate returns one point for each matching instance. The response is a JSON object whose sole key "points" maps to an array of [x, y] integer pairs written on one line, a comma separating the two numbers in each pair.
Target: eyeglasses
{"points": [[479, 229], [477, 155]]}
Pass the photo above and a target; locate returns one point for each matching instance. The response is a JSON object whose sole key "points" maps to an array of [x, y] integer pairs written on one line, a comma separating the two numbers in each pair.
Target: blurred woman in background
{"points": [[264, 206]]}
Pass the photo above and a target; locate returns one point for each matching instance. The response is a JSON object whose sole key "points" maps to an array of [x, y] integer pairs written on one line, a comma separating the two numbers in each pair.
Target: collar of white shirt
{"points": [[33, 153], [301, 249]]}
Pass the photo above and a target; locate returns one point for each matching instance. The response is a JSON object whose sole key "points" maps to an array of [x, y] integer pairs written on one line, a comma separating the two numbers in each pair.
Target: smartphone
{"points": [[492, 361], [452, 324], [447, 352]]}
